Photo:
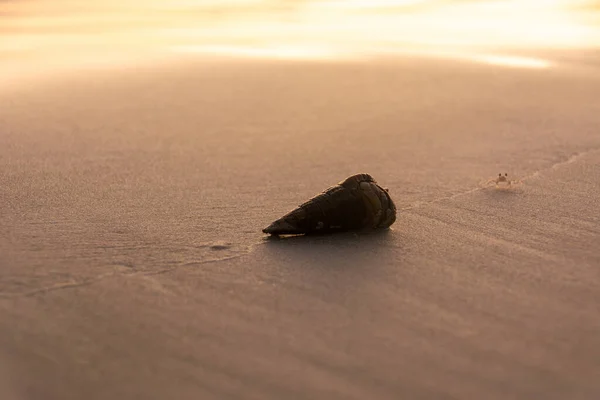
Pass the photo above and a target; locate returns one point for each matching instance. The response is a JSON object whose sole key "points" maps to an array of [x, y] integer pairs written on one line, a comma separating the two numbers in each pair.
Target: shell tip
{"points": [[281, 227]]}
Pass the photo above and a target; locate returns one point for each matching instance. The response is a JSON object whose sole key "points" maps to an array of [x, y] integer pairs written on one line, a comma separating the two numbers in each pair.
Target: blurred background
{"points": [[42, 34]]}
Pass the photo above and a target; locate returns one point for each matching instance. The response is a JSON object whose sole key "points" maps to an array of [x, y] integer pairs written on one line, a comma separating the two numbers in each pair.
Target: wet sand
{"points": [[133, 266]]}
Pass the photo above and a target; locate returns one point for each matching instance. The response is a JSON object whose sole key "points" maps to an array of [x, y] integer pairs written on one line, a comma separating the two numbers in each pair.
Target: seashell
{"points": [[357, 203]]}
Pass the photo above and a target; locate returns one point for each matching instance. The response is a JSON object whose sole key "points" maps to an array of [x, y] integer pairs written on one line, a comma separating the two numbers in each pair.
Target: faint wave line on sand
{"points": [[570, 160], [76, 283]]}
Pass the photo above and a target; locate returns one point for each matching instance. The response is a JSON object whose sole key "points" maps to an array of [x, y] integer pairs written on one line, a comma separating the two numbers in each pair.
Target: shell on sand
{"points": [[357, 203]]}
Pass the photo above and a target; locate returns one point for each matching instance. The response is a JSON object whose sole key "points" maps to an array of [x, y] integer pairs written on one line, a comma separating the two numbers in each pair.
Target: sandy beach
{"points": [[133, 263]]}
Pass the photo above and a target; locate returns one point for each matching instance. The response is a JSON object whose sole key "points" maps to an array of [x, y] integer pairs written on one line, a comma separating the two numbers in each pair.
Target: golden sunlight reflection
{"points": [[349, 4], [293, 52], [68, 32], [512, 61]]}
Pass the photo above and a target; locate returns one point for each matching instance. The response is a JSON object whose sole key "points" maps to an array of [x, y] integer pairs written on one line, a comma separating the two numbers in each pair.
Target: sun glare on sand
{"points": [[68, 32]]}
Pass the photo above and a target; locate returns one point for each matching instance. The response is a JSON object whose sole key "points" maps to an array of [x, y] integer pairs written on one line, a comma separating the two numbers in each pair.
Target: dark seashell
{"points": [[357, 203]]}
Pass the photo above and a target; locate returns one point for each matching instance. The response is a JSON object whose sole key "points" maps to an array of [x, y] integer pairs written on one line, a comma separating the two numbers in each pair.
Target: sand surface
{"points": [[132, 263]]}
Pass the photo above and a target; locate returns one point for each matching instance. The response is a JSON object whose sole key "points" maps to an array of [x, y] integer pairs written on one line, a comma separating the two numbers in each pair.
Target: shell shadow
{"points": [[342, 238], [341, 268], [347, 251]]}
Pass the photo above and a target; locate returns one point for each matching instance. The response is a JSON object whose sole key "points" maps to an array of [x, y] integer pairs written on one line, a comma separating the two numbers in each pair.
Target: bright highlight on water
{"points": [[66, 33]]}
